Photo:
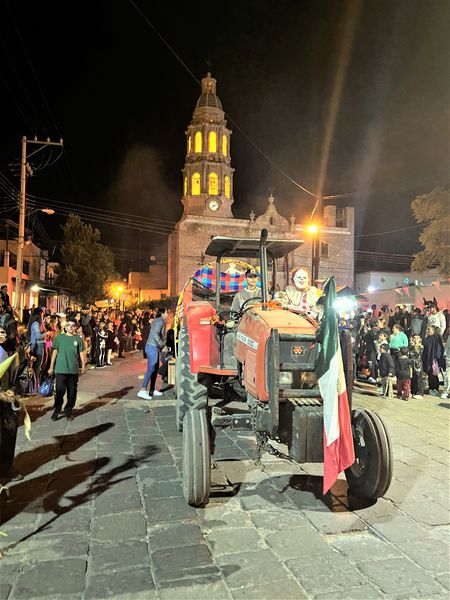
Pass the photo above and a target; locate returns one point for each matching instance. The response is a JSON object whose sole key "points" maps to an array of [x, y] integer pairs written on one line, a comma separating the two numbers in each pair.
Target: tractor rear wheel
{"points": [[371, 473], [196, 457]]}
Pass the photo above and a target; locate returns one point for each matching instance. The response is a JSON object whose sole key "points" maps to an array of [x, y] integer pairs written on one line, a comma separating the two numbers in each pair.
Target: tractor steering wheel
{"points": [[226, 314], [248, 302]]}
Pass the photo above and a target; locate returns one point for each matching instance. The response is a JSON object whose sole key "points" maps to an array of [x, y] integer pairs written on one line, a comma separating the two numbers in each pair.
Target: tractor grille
{"points": [[297, 356]]}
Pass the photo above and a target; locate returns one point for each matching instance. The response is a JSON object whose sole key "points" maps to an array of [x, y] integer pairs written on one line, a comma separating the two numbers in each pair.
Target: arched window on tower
{"points": [[224, 145], [185, 186], [212, 141], [213, 184], [189, 144], [198, 142], [227, 186], [195, 185]]}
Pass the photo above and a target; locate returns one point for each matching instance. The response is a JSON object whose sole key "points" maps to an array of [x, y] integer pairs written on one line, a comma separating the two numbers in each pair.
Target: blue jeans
{"points": [[152, 353]]}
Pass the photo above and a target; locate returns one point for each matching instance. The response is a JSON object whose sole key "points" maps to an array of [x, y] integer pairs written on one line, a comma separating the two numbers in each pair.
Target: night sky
{"points": [[99, 76]]}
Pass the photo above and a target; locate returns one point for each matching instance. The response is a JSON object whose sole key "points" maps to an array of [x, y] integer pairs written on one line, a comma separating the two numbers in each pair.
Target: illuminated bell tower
{"points": [[207, 173]]}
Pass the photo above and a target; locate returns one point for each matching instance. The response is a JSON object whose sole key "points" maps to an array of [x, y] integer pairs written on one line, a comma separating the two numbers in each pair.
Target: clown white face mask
{"points": [[301, 280]]}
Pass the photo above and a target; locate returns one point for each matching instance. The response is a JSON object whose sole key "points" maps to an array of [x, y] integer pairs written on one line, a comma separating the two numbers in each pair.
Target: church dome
{"points": [[209, 99]]}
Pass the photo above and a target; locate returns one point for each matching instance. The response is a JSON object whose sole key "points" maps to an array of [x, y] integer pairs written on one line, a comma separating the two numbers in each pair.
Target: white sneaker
{"points": [[417, 397], [444, 396], [143, 394], [157, 393]]}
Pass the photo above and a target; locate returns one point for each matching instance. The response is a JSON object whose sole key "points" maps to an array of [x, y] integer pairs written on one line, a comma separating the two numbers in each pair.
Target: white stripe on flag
{"points": [[328, 385]]}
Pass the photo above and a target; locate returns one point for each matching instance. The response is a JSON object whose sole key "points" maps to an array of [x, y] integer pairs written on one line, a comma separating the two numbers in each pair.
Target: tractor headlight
{"points": [[285, 378]]}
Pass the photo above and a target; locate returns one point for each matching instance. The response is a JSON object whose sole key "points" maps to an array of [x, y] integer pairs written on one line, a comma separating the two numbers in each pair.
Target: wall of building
{"points": [[34, 270], [385, 280], [192, 235]]}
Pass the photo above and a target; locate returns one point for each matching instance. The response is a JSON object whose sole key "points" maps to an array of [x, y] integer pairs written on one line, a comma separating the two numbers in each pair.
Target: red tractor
{"points": [[271, 372]]}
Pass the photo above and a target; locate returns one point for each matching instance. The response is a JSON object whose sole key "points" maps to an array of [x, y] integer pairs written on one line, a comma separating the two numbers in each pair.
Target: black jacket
{"points": [[403, 370], [386, 364]]}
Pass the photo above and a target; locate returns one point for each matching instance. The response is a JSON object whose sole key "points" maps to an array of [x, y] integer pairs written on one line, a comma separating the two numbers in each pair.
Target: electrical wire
{"points": [[100, 210], [115, 222], [25, 91], [389, 231], [248, 138], [31, 66], [7, 183], [14, 99]]}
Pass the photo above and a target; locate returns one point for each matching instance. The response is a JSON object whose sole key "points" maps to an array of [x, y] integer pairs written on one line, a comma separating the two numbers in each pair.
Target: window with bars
{"points": [[341, 218]]}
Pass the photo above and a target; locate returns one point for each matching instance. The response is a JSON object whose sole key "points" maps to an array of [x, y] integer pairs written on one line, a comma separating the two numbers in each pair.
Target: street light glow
{"points": [[313, 229], [48, 211], [35, 288]]}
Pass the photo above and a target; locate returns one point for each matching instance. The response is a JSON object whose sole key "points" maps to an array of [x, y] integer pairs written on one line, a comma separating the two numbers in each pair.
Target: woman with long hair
{"points": [[37, 342]]}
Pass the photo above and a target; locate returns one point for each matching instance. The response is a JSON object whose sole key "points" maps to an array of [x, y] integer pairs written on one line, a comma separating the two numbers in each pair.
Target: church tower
{"points": [[207, 173]]}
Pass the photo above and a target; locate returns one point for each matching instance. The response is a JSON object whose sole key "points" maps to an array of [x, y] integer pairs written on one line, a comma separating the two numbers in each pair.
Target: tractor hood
{"points": [[284, 320]]}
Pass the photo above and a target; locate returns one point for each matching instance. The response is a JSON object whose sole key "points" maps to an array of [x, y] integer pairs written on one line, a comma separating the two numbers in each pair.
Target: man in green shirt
{"points": [[68, 356]]}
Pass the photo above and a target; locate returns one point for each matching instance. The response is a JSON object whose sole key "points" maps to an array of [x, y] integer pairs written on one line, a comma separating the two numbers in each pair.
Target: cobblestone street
{"points": [[99, 512]]}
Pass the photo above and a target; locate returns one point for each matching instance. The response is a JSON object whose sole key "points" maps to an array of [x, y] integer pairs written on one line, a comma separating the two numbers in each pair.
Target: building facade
{"points": [[208, 198]]}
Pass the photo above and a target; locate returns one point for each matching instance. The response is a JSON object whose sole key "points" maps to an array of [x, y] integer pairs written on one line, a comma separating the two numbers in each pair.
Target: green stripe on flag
{"points": [[327, 333]]}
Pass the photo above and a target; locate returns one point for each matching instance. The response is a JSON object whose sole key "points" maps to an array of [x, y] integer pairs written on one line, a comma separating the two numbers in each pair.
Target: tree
{"points": [[434, 209], [86, 265]]}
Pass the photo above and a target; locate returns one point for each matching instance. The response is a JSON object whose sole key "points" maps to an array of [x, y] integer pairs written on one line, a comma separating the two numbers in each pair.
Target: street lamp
{"points": [[20, 247]]}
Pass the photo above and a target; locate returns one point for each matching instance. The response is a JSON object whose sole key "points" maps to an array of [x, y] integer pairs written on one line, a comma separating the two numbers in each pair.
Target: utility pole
{"points": [[25, 169], [316, 244]]}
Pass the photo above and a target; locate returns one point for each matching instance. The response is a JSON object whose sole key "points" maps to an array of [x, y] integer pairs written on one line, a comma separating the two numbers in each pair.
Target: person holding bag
{"points": [[155, 343]]}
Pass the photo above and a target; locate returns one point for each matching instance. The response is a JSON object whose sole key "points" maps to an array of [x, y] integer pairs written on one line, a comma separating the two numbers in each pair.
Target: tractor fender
{"points": [[203, 342]]}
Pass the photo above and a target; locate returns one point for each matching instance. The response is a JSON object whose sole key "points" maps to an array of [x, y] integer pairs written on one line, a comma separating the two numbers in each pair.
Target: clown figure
{"points": [[301, 296]]}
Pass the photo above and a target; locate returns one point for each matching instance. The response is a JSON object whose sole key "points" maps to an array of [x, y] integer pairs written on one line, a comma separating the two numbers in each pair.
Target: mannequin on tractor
{"points": [[264, 356]]}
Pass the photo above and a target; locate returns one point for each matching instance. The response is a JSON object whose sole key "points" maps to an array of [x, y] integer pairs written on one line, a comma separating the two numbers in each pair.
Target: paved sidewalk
{"points": [[100, 513]]}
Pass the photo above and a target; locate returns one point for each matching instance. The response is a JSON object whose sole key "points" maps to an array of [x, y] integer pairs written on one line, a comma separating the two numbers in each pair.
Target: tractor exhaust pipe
{"points": [[263, 265]]}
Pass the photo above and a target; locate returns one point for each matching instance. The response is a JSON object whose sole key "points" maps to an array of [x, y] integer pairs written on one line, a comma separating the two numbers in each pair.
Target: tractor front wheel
{"points": [[196, 457], [371, 473]]}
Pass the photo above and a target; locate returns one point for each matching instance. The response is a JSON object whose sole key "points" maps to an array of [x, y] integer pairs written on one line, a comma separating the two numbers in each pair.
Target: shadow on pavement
{"points": [[305, 491], [49, 500], [110, 398], [116, 395], [28, 461]]}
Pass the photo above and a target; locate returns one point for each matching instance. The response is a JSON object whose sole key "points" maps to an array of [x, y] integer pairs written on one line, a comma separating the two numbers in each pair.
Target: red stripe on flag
{"points": [[339, 455]]}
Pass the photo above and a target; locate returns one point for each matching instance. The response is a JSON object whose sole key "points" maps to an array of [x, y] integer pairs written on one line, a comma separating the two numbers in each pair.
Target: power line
{"points": [[249, 139], [31, 67], [3, 80], [389, 231], [13, 64], [115, 222], [102, 210]]}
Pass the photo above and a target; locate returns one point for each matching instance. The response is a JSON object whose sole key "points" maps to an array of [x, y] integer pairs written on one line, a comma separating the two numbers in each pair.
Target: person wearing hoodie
{"points": [[418, 324]]}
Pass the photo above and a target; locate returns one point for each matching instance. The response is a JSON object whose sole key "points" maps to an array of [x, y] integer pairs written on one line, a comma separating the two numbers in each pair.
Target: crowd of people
{"points": [[106, 335], [54, 349], [408, 348]]}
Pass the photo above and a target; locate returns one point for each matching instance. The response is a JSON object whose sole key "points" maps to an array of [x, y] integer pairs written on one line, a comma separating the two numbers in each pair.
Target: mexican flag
{"points": [[337, 432]]}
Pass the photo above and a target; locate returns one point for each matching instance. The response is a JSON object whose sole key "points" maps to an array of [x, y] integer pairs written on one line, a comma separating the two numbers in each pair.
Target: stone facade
{"points": [[206, 215]]}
